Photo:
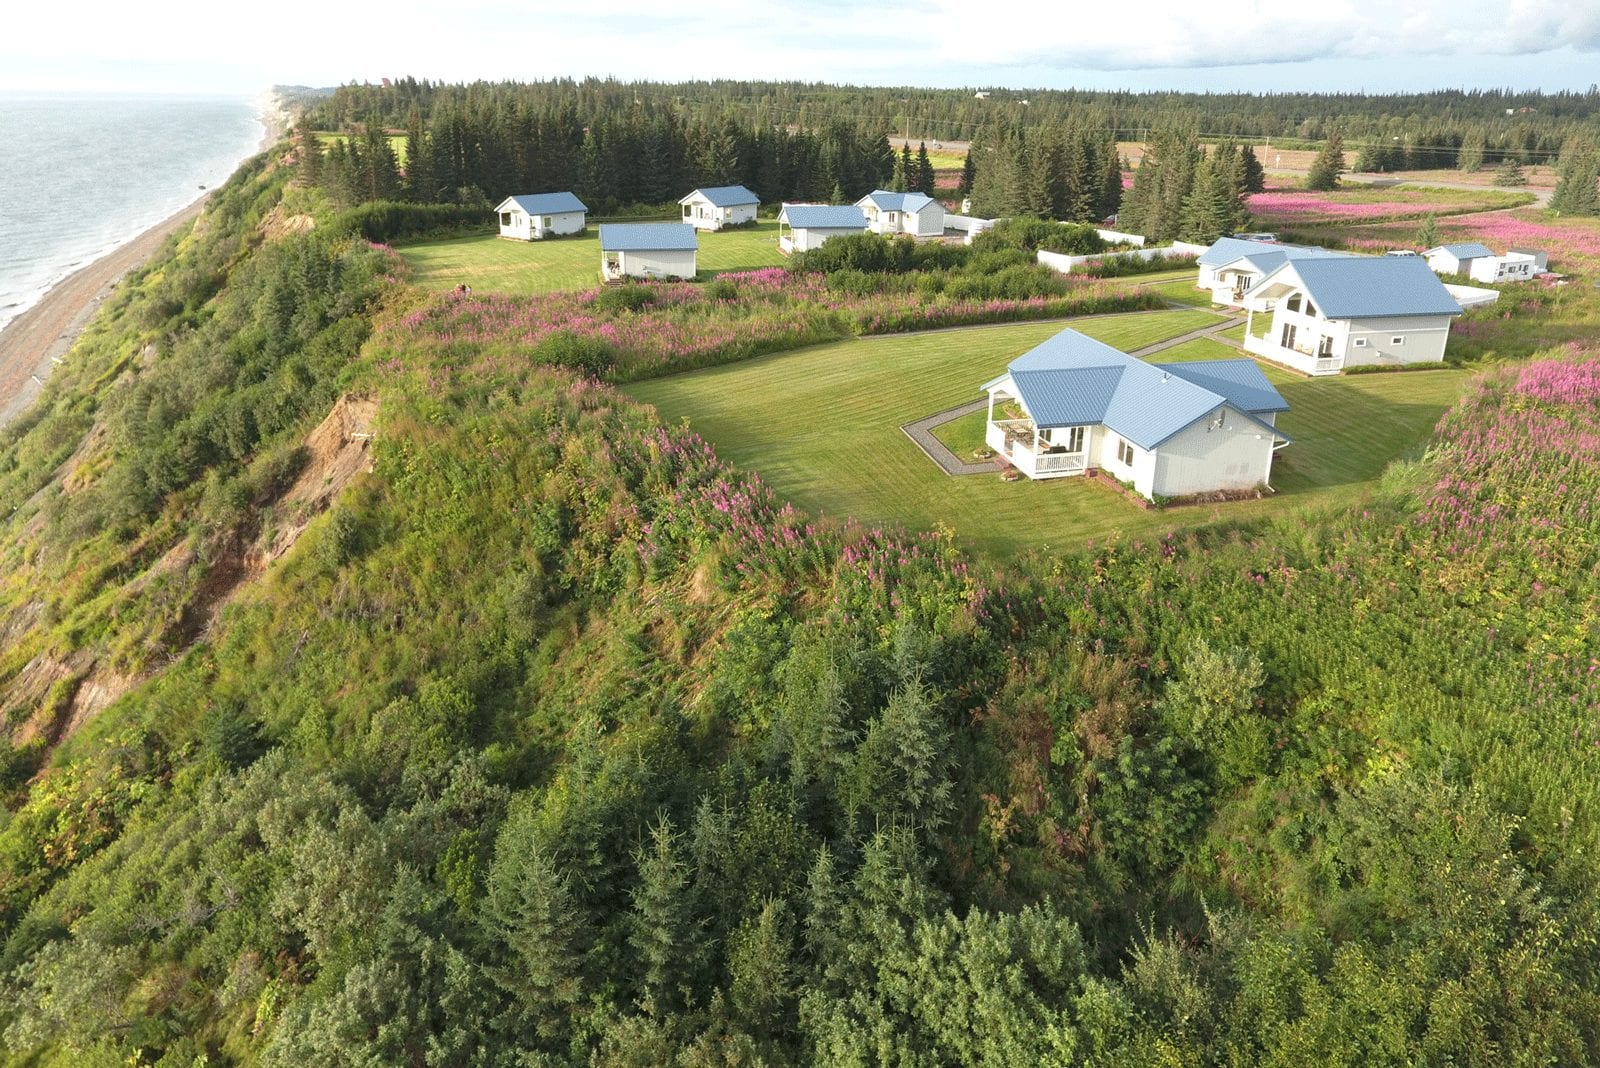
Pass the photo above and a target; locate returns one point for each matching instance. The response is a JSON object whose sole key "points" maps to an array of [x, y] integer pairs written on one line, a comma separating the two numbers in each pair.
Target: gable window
{"points": [[1311, 309], [1397, 340], [1124, 453], [1293, 303]]}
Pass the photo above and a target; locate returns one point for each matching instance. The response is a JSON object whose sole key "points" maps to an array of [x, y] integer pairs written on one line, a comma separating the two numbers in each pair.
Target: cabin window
{"points": [[1124, 454], [505, 218], [1293, 303], [1075, 439], [547, 222], [1360, 342], [1325, 348], [1397, 340]]}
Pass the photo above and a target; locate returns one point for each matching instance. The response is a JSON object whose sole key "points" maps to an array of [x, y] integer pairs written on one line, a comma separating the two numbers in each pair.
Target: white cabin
{"points": [[647, 250], [1456, 259], [1073, 405], [719, 206], [803, 227], [1232, 265], [535, 216], [1512, 267], [889, 213], [1320, 316]]}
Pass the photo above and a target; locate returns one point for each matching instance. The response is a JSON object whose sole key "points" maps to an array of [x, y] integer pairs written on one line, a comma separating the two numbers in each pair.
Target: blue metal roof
{"points": [[1466, 250], [647, 237], [548, 203], [824, 217], [1240, 381], [1074, 380], [1365, 287], [1265, 255], [725, 196], [887, 201]]}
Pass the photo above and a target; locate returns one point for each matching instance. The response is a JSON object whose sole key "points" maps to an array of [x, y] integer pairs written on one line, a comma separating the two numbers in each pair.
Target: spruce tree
{"points": [[531, 918], [925, 177], [1578, 182], [310, 156], [1109, 201], [1427, 233], [969, 174], [1208, 210], [1329, 164], [1255, 176], [904, 170], [1470, 156], [662, 930], [1509, 173]]}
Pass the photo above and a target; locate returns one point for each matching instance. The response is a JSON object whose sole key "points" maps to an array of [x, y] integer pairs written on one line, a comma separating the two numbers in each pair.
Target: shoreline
{"points": [[39, 337]]}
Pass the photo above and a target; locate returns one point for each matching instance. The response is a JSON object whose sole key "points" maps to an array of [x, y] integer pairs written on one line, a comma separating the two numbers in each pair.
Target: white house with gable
{"points": [[647, 250], [1458, 258], [803, 227], [889, 213], [719, 206], [534, 216], [1323, 315], [1073, 405], [1232, 265]]}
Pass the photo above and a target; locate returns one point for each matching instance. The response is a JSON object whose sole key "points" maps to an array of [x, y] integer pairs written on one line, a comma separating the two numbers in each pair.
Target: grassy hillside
{"points": [[386, 686]]}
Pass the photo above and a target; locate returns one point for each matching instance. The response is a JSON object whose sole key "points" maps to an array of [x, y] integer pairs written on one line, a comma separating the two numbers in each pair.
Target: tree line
{"points": [[1434, 128]]}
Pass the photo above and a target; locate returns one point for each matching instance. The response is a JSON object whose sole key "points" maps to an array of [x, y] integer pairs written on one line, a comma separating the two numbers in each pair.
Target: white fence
{"points": [[1114, 237], [1065, 264], [967, 224]]}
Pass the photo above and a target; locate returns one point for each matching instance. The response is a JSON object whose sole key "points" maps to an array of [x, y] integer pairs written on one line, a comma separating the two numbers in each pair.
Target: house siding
{"points": [[704, 215], [1200, 459], [525, 227], [657, 263], [806, 239], [1141, 472], [1425, 340]]}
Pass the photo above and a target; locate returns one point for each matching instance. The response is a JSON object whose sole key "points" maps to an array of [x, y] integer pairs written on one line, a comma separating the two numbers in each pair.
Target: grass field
{"points": [[494, 265], [397, 142], [822, 426]]}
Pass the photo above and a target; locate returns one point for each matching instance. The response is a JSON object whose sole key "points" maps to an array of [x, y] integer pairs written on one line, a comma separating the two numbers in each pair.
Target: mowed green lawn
{"points": [[822, 426], [493, 264]]}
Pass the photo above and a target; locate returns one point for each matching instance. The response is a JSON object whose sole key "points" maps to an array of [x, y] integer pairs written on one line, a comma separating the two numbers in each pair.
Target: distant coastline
{"points": [[45, 330]]}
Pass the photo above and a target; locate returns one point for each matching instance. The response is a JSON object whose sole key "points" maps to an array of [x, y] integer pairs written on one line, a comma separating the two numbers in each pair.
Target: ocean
{"points": [[82, 174]]}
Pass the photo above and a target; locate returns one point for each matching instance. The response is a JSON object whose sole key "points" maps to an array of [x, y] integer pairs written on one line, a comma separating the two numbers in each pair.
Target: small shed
{"points": [[535, 216], [1456, 259], [647, 250], [719, 206], [802, 227]]}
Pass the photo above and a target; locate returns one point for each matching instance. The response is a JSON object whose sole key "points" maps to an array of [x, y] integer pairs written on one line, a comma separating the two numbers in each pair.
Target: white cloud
{"points": [[201, 44]]}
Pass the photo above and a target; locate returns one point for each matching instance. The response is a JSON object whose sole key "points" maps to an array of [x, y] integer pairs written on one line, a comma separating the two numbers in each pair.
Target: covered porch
{"points": [[1297, 344], [1038, 452]]}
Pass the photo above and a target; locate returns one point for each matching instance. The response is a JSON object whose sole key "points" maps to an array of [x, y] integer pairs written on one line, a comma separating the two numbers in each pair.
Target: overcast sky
{"points": [[1351, 45]]}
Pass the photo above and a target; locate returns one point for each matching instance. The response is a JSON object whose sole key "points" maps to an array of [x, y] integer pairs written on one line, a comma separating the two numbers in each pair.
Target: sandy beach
{"points": [[33, 341]]}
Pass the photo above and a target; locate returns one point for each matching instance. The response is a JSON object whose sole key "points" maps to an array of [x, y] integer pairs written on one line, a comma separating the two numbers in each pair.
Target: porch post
{"points": [[1036, 440], [991, 411], [1249, 323]]}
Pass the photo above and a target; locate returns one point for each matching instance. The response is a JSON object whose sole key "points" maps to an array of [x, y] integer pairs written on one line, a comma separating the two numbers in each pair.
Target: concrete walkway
{"points": [[921, 430]]}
